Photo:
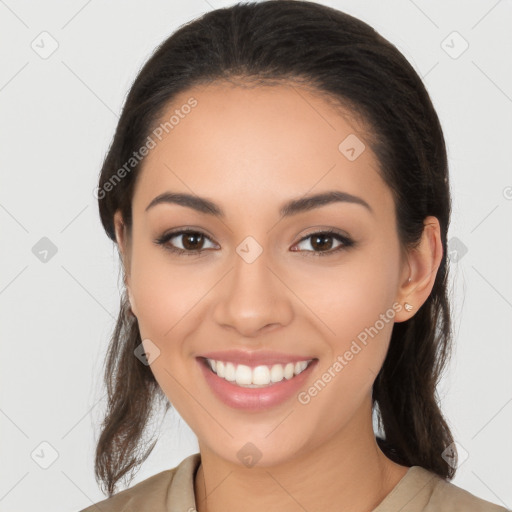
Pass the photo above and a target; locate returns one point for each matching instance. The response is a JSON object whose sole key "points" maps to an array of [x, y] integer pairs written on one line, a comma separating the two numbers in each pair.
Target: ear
{"points": [[121, 239], [123, 244], [423, 263]]}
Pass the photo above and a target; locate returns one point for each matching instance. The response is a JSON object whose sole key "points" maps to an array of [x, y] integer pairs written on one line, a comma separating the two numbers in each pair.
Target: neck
{"points": [[347, 472]]}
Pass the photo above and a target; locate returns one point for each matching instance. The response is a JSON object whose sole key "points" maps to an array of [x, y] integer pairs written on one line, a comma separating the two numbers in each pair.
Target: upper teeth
{"points": [[258, 376]]}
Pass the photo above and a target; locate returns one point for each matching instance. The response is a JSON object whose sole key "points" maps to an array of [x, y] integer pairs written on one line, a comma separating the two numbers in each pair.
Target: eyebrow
{"points": [[290, 208]]}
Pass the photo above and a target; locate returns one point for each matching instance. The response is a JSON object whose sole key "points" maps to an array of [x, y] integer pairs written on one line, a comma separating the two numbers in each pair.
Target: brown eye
{"points": [[192, 242], [322, 242]]}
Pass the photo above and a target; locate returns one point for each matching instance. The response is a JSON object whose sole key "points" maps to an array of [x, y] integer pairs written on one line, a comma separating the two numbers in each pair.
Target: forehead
{"points": [[258, 144]]}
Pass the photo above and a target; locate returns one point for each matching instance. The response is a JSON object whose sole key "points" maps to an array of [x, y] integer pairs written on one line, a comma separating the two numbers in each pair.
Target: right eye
{"points": [[190, 240]]}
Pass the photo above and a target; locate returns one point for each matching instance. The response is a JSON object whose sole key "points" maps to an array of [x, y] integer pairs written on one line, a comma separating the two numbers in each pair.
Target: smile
{"points": [[259, 376], [256, 388]]}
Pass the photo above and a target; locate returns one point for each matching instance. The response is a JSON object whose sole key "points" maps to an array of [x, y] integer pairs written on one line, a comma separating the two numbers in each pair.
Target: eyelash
{"points": [[347, 242]]}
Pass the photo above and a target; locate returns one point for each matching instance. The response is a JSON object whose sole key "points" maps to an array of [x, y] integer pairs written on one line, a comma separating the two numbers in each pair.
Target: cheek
{"points": [[354, 347], [353, 306], [164, 293], [351, 296], [341, 298], [168, 303]]}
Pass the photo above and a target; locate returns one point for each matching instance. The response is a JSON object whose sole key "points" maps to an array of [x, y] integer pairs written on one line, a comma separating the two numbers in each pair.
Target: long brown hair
{"points": [[348, 61]]}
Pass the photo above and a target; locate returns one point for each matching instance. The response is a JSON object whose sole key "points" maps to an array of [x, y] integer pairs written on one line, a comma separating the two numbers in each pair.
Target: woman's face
{"points": [[261, 281]]}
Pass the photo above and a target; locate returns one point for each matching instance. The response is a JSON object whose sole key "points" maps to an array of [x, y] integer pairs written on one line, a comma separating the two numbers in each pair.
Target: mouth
{"points": [[256, 387], [256, 376]]}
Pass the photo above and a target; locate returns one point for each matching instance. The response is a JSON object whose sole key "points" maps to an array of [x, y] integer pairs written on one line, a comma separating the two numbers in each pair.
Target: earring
{"points": [[408, 306]]}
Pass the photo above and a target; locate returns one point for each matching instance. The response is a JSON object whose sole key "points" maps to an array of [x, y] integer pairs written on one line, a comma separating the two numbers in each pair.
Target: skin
{"points": [[249, 150]]}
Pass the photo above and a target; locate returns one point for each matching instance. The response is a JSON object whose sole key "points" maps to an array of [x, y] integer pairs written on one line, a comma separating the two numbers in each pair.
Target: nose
{"points": [[254, 298]]}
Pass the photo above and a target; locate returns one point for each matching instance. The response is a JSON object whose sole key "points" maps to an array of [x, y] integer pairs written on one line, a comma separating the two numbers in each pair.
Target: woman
{"points": [[256, 139]]}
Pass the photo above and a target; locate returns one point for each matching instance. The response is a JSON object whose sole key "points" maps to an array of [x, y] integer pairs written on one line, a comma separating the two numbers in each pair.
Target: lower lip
{"points": [[253, 399]]}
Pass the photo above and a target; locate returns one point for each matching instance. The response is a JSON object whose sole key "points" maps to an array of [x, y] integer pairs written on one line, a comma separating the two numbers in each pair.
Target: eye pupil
{"points": [[315, 239], [194, 236]]}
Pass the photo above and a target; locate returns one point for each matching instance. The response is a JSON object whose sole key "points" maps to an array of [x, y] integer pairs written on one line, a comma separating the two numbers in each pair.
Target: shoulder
{"points": [[421, 490], [449, 497], [154, 493]]}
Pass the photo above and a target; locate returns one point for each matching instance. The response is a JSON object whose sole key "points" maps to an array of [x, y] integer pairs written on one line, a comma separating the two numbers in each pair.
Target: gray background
{"points": [[58, 310]]}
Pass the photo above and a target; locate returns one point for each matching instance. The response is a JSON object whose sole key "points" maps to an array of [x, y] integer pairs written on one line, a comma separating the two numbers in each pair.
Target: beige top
{"points": [[172, 490]]}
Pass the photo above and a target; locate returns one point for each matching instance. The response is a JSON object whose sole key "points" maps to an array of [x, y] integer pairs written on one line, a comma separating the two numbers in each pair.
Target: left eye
{"points": [[318, 241]]}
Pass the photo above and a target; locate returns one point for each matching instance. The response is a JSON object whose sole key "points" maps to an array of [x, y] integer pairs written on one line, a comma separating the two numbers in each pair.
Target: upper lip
{"points": [[256, 358]]}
